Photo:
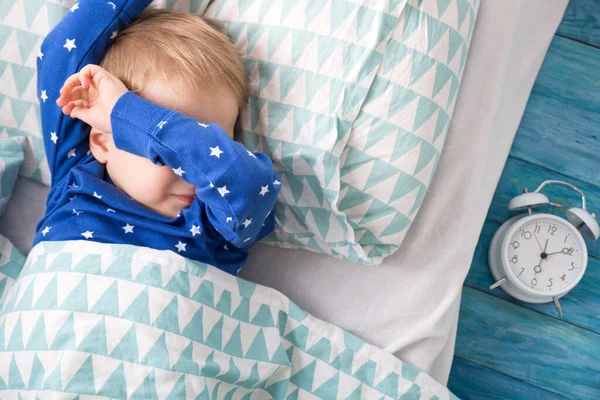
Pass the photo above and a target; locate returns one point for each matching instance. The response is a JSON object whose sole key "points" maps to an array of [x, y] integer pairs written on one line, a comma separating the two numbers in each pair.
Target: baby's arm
{"points": [[79, 38], [237, 187]]}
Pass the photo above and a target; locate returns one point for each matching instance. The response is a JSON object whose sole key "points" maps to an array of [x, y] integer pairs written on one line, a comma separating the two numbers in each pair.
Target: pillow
{"points": [[11, 158], [351, 100]]}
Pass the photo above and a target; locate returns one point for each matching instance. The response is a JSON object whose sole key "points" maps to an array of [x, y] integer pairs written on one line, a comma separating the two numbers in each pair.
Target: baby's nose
{"points": [[184, 185]]}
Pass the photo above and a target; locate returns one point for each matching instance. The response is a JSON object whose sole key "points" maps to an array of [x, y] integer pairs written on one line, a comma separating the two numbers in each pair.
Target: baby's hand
{"points": [[90, 96]]}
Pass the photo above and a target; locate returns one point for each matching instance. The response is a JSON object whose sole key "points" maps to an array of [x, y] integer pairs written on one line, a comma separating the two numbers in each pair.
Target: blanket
{"points": [[89, 320]]}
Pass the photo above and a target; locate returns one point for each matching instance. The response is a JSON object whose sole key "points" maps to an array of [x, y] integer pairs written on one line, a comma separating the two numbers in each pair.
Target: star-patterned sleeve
{"points": [[235, 187], [80, 38]]}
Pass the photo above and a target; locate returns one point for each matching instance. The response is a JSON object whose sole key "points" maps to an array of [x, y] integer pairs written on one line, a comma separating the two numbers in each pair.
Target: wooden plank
{"points": [[528, 346], [569, 74], [582, 22], [560, 129], [470, 381], [518, 175], [581, 306]]}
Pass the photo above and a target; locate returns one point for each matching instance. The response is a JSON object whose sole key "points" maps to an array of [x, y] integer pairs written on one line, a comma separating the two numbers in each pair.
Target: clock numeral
{"points": [[537, 228], [550, 281], [552, 229], [534, 282], [572, 266], [515, 259], [526, 234], [563, 277], [515, 244], [522, 269], [568, 251], [566, 237]]}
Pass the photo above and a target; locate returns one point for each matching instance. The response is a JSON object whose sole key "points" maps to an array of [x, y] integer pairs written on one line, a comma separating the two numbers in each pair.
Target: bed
{"points": [[409, 304]]}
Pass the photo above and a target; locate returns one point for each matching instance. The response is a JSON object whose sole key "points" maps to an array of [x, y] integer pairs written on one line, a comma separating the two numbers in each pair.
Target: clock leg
{"points": [[557, 305], [500, 282]]}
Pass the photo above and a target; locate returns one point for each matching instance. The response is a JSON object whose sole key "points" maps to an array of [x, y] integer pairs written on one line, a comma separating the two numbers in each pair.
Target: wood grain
{"points": [[560, 129], [471, 381], [529, 346], [507, 349], [582, 22], [518, 175], [581, 306]]}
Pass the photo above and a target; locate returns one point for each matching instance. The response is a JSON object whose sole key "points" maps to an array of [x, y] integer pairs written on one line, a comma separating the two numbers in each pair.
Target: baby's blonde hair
{"points": [[168, 45]]}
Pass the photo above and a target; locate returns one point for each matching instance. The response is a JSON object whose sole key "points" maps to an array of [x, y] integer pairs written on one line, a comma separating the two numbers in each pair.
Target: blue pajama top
{"points": [[235, 188]]}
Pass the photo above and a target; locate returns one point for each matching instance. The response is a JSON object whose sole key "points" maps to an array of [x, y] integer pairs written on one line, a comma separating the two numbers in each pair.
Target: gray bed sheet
{"points": [[409, 305]]}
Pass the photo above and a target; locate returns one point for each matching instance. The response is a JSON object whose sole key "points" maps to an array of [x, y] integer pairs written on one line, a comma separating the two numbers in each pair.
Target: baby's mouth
{"points": [[188, 200]]}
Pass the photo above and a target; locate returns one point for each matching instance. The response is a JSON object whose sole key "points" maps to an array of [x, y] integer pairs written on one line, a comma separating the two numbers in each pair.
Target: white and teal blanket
{"points": [[85, 320]]}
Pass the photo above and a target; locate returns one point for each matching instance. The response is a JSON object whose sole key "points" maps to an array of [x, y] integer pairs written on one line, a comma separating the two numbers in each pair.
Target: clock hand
{"points": [[544, 251], [561, 251], [538, 242], [539, 266]]}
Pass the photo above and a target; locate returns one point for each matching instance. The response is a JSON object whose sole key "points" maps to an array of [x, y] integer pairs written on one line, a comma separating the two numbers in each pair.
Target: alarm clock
{"points": [[540, 257]]}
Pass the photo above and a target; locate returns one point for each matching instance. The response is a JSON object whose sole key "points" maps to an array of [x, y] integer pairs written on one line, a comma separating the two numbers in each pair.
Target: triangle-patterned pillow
{"points": [[351, 99]]}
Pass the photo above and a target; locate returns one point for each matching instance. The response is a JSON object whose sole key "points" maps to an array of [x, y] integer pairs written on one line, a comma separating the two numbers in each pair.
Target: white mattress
{"points": [[409, 305]]}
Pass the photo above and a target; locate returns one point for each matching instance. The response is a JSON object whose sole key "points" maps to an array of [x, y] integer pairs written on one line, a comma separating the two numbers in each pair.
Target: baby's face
{"points": [[159, 188]]}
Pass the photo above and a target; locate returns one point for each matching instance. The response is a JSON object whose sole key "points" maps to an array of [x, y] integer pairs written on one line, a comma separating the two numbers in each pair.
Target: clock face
{"points": [[546, 254]]}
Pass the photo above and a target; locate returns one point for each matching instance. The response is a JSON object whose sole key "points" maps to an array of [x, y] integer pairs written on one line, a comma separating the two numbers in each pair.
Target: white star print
{"points": [[247, 222], [73, 186], [203, 125], [250, 238], [211, 185], [195, 230], [53, 137], [226, 248], [215, 151], [114, 35], [46, 230], [114, 6], [70, 44], [44, 96], [223, 190], [178, 171], [75, 7], [180, 246], [77, 212], [73, 198], [229, 219], [264, 190], [110, 210], [179, 214], [88, 234], [251, 154], [40, 54], [276, 182], [71, 153], [160, 124], [96, 195], [128, 228]]}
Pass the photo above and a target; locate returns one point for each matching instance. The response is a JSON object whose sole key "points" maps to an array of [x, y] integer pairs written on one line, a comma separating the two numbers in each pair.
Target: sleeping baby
{"points": [[138, 127]]}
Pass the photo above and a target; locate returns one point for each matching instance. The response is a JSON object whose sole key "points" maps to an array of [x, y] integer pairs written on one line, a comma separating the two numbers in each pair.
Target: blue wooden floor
{"points": [[506, 349]]}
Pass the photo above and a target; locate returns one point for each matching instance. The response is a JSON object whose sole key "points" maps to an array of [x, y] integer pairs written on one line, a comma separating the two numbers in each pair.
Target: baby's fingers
{"points": [[68, 109], [71, 82], [78, 93]]}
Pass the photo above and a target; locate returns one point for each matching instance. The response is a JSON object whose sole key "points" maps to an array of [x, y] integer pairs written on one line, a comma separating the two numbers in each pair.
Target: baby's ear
{"points": [[100, 145]]}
